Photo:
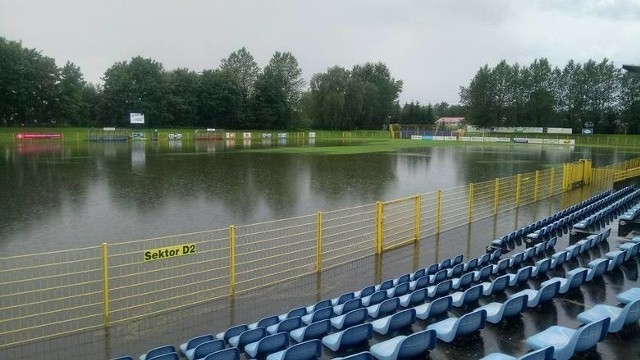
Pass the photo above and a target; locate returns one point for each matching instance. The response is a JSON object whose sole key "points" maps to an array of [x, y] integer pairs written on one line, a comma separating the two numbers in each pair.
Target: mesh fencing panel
{"points": [[398, 221], [50, 294], [271, 252], [348, 234], [142, 285]]}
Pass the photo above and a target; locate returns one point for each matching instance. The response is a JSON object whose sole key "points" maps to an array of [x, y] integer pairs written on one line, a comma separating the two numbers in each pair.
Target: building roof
{"points": [[450, 120]]}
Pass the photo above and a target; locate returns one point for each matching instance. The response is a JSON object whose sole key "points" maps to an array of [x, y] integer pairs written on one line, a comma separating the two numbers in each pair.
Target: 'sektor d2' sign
{"points": [[169, 252]]}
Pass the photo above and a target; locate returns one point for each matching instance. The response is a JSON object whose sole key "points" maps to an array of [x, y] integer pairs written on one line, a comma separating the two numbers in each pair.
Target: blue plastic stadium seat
{"points": [[232, 331], [314, 330], [342, 299], [347, 306], [247, 337], [394, 322], [307, 350], [432, 269], [161, 350], [597, 267], [405, 347], [366, 291], [436, 307], [265, 322], [616, 258], [349, 337], [193, 342], [226, 354], [439, 276], [285, 325], [455, 271], [516, 259], [204, 349], [629, 314], [365, 355], [496, 286], [513, 306], [630, 249], [567, 341], [398, 290], [544, 294], [629, 296], [523, 274], [166, 356], [319, 305], [447, 330], [385, 285], [440, 289], [575, 278], [414, 298], [375, 298], [384, 308], [317, 315], [501, 266], [421, 282], [404, 278], [559, 258], [541, 354], [351, 318], [124, 357], [542, 266], [301, 311], [418, 273], [463, 281], [468, 296], [471, 264], [483, 273], [267, 345]]}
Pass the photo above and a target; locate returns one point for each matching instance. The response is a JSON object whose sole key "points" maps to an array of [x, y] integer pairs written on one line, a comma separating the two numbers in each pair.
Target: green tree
{"points": [[135, 86], [629, 121], [70, 106], [277, 93], [480, 100], [219, 100], [183, 86]]}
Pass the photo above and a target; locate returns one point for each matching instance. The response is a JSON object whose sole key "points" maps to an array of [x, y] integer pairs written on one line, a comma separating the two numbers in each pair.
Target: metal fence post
{"points": [[379, 229], [105, 283], [470, 203], [496, 196], [438, 210], [535, 186], [518, 181], [551, 181], [417, 215], [232, 260], [319, 242]]}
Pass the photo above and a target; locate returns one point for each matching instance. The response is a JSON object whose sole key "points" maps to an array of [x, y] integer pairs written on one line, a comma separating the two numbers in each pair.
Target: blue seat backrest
{"points": [[417, 343], [471, 322]]}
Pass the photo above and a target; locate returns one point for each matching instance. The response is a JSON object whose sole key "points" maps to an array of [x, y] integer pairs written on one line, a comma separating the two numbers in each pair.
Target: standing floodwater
{"points": [[61, 196]]}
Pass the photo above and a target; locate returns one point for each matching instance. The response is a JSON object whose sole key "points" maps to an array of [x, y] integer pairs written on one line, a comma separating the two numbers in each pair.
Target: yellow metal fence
{"points": [[55, 293]]}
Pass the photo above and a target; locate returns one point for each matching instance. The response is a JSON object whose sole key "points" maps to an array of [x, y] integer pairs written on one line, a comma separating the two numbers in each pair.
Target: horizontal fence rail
{"points": [[55, 293]]}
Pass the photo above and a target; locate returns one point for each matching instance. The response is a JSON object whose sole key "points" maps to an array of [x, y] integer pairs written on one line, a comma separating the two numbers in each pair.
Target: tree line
{"points": [[595, 95], [238, 94]]}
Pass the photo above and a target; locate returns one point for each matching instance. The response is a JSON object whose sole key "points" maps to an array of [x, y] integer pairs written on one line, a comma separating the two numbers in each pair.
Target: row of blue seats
{"points": [[525, 230], [447, 330], [389, 301], [565, 341], [319, 311], [631, 213], [586, 216], [494, 312], [607, 214]]}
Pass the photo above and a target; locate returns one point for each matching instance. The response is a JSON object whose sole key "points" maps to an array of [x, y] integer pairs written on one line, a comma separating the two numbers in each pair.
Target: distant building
{"points": [[450, 121]]}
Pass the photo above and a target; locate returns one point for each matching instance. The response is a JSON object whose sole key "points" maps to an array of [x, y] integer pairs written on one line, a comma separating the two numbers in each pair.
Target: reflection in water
{"points": [[62, 197]]}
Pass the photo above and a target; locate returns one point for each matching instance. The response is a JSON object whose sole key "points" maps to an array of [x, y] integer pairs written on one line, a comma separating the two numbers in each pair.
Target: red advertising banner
{"points": [[38, 136]]}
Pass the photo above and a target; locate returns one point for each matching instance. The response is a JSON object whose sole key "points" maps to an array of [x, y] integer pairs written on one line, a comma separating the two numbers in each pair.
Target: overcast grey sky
{"points": [[433, 46]]}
